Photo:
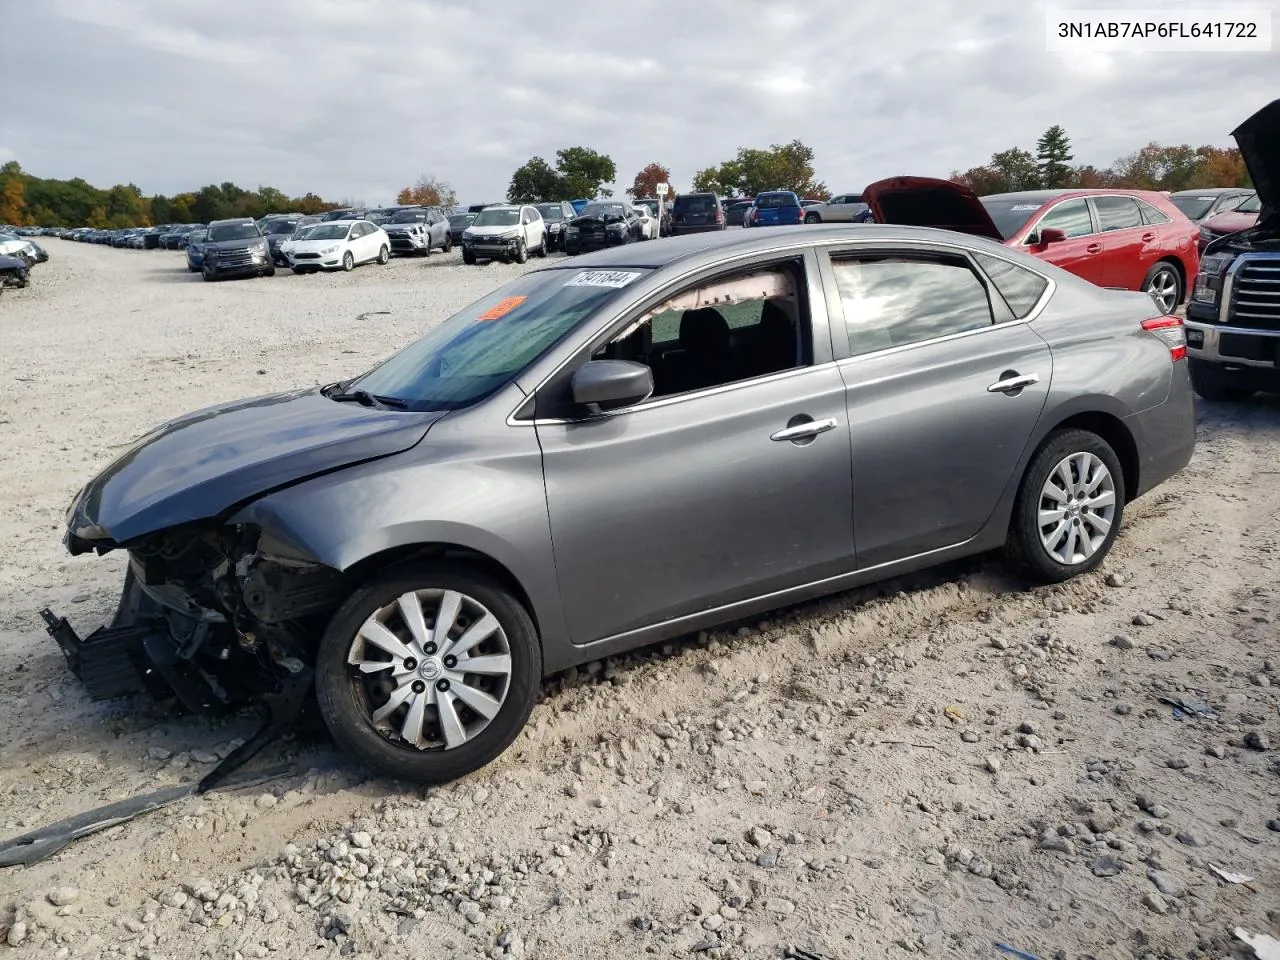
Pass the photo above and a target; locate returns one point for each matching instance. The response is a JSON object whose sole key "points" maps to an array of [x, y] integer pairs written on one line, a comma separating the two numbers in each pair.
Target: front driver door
{"points": [[945, 386], [1081, 252], [696, 499]]}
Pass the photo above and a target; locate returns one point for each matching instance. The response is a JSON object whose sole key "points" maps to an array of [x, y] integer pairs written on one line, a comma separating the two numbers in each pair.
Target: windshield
{"points": [[1009, 216], [768, 201], [605, 211], [650, 205], [410, 216], [479, 350], [234, 231], [325, 231], [461, 219], [1251, 205], [340, 215], [281, 226], [496, 218], [197, 236], [551, 211], [1193, 207]]}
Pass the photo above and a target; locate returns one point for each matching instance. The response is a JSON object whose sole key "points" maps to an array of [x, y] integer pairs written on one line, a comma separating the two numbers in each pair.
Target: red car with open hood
{"points": [[1128, 239]]}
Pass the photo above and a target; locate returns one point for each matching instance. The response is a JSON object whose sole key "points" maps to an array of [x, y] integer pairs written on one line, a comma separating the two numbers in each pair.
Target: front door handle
{"points": [[1093, 248], [1012, 382], [1148, 237], [805, 431]]}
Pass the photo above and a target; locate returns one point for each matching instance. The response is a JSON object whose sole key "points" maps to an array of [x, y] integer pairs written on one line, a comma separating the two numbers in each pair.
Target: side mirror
{"points": [[1048, 235], [611, 383]]}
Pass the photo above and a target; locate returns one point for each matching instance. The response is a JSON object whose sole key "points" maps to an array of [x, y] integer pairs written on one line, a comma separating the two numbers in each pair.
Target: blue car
{"points": [[195, 248], [777, 208]]}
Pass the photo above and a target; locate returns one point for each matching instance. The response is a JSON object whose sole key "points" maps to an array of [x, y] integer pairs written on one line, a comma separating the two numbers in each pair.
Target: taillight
{"points": [[1171, 331]]}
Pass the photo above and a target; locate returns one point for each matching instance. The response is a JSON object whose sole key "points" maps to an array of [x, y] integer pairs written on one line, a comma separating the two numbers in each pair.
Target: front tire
{"points": [[208, 273], [1164, 285], [403, 702], [270, 271], [1211, 384], [348, 262], [521, 254], [1069, 507], [468, 256]]}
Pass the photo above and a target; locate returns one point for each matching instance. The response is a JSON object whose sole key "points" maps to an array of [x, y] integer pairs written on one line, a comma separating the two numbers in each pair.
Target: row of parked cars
{"points": [[18, 254]]}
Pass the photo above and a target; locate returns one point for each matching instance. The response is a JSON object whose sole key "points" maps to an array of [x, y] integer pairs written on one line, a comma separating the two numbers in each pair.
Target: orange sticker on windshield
{"points": [[501, 308]]}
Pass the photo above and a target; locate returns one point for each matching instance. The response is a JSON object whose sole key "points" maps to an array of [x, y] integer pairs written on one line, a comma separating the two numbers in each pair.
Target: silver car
{"points": [[619, 449]]}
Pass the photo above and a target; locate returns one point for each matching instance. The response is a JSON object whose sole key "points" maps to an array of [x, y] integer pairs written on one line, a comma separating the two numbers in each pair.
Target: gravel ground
{"points": [[946, 762]]}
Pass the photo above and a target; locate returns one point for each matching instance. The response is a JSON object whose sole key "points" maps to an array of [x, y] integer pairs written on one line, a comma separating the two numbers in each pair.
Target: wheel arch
{"points": [[1117, 435], [1176, 262], [470, 557]]}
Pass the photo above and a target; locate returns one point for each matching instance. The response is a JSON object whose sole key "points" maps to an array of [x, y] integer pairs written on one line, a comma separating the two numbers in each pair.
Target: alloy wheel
{"points": [[1077, 507], [433, 668], [1163, 288]]}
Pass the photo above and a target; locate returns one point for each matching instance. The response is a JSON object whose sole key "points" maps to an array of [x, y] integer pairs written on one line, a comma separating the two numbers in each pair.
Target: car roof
{"points": [[1044, 196], [745, 242], [214, 223], [1211, 191]]}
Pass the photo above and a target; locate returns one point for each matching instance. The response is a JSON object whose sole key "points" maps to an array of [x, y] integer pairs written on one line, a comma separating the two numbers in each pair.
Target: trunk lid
{"points": [[928, 202]]}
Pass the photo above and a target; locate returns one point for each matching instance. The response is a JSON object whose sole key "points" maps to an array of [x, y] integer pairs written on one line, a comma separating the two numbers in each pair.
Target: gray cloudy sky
{"points": [[355, 98]]}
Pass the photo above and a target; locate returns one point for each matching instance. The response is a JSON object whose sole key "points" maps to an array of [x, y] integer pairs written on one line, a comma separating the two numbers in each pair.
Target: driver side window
{"points": [[1071, 217], [722, 330]]}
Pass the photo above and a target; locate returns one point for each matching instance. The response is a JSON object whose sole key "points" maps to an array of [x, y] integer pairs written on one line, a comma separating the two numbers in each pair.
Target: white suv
{"points": [[506, 231], [839, 209]]}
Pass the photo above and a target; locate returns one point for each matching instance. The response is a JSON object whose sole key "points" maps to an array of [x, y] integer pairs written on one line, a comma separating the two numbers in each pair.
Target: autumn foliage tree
{"points": [[12, 199], [1154, 167], [428, 191], [646, 182]]}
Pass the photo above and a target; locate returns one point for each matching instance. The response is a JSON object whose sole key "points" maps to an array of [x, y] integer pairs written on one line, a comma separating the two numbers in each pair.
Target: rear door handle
{"points": [[1093, 248], [805, 431], [1014, 383]]}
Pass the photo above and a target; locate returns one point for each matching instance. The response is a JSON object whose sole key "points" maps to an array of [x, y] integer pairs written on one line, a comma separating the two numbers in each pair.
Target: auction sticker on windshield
{"points": [[602, 278], [501, 308]]}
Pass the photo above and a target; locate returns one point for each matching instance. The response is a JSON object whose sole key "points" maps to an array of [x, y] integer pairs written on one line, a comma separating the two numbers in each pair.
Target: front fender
{"points": [[474, 484]]}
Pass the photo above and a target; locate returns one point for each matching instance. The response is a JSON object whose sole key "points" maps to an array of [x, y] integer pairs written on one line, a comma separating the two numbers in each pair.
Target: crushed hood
{"points": [[1259, 141], [201, 464], [927, 202]]}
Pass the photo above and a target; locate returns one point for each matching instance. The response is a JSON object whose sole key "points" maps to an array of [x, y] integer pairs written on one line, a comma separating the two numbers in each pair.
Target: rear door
{"points": [[1129, 247], [1081, 252], [698, 498], [944, 384]]}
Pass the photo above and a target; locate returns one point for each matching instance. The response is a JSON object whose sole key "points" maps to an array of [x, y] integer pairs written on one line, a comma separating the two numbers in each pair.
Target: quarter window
{"points": [[1020, 287], [722, 330], [1150, 215], [892, 301], [1117, 213], [1071, 217]]}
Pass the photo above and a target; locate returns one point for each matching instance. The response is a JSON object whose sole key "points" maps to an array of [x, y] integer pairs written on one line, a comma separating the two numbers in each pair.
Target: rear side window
{"points": [[1020, 287], [1150, 214], [895, 301], [696, 203], [1117, 213]]}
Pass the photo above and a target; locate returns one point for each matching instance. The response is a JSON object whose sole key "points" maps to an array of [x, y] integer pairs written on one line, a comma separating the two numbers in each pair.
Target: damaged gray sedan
{"points": [[598, 456]]}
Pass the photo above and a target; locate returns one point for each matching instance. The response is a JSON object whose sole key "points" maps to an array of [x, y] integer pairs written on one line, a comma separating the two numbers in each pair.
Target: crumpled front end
{"points": [[216, 615]]}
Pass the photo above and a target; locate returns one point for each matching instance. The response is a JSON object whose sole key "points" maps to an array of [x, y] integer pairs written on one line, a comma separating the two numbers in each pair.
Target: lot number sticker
{"points": [[501, 308], [602, 278]]}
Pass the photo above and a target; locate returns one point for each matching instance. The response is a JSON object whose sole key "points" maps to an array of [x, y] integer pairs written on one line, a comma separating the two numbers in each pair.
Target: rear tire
{"points": [[542, 250], [384, 255], [347, 697], [1211, 384], [1164, 284], [812, 218], [1057, 515], [448, 245]]}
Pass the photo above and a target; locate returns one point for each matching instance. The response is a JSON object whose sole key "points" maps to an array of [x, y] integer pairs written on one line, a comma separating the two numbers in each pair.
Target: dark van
{"points": [[696, 213]]}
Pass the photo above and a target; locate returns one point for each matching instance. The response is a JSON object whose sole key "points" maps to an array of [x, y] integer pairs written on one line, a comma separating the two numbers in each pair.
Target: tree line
{"points": [[27, 200], [581, 172], [1153, 167]]}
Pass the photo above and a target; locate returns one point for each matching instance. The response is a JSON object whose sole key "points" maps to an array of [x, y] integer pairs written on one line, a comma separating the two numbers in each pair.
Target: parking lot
{"points": [[933, 766]]}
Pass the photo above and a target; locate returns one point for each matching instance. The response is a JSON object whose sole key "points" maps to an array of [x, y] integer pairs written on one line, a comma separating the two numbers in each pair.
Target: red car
{"points": [[1127, 239], [1232, 221]]}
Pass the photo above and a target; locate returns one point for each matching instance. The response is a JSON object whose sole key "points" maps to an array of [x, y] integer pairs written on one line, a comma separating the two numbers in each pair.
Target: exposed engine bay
{"points": [[208, 614]]}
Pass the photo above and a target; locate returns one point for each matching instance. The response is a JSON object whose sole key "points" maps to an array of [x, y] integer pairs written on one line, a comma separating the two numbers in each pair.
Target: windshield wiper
{"points": [[367, 399]]}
